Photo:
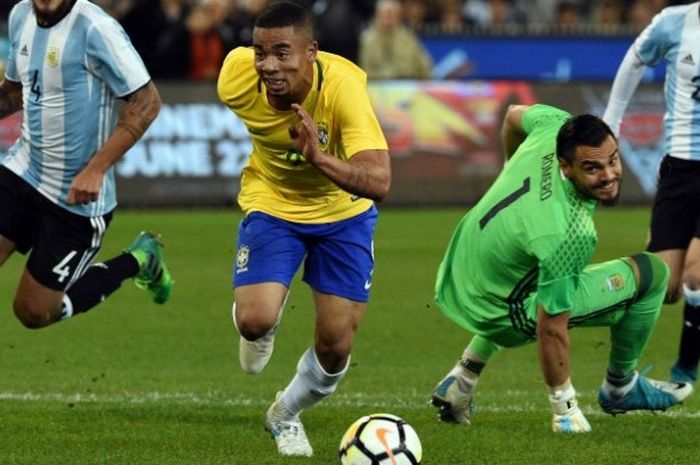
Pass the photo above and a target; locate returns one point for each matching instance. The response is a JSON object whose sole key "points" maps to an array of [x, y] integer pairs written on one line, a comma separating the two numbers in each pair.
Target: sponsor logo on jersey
{"points": [[688, 59]]}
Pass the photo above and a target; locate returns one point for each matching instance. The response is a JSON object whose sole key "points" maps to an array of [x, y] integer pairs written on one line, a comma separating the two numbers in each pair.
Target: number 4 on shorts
{"points": [[62, 269]]}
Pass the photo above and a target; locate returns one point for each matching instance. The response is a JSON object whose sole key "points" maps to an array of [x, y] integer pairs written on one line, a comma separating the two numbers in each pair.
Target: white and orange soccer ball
{"points": [[380, 439]]}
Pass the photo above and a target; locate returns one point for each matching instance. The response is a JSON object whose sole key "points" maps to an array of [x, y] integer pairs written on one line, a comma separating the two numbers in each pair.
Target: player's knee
{"points": [[333, 353], [31, 314], [253, 325], [253, 330], [653, 273]]}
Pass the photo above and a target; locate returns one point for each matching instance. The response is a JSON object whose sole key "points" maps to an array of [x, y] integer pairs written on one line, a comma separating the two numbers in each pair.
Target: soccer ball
{"points": [[380, 439]]}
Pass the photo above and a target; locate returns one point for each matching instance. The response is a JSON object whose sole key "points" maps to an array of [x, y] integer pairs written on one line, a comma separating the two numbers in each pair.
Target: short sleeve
{"points": [[655, 40], [113, 58], [235, 78], [359, 125]]}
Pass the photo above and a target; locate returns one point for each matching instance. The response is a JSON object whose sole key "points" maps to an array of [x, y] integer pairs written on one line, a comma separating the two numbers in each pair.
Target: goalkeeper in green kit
{"points": [[516, 271]]}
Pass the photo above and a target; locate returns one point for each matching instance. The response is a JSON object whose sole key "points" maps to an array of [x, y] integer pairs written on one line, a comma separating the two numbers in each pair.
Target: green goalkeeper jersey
{"points": [[524, 244]]}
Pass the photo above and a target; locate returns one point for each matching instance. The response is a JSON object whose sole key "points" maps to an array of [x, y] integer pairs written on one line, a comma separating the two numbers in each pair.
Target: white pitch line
{"points": [[356, 399]]}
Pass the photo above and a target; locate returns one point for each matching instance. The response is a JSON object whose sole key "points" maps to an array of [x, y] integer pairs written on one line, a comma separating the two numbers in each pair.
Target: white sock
{"points": [[310, 385], [66, 308], [619, 391]]}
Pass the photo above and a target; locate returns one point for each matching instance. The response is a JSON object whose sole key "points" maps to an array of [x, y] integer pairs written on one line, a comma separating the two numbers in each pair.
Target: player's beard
{"points": [[590, 194], [45, 19], [613, 201]]}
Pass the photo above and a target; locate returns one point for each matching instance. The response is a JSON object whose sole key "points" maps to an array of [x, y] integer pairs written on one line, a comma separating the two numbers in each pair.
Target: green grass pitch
{"points": [[136, 383]]}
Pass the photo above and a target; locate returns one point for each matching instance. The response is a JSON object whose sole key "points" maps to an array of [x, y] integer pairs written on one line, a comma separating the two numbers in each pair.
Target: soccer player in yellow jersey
{"points": [[319, 162]]}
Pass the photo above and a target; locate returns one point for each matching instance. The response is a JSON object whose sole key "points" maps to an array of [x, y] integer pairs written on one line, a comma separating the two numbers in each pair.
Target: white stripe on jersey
{"points": [[53, 115]]}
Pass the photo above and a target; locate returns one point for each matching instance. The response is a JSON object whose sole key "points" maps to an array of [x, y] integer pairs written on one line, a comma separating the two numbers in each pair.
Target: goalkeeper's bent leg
{"points": [[453, 395], [630, 335]]}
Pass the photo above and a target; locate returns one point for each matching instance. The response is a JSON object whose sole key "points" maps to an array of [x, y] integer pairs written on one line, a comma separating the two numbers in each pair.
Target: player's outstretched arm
{"points": [[553, 346], [136, 116], [366, 173], [10, 97], [627, 79]]}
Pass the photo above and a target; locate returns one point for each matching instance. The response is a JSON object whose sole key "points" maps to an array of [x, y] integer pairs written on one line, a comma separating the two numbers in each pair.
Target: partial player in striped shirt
{"points": [[674, 35], [69, 61]]}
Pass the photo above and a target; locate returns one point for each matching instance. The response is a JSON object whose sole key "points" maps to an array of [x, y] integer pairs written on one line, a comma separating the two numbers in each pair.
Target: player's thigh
{"points": [[257, 306], [269, 252], [65, 246], [268, 249], [676, 209], [7, 248], [18, 215], [36, 304], [604, 292], [340, 261]]}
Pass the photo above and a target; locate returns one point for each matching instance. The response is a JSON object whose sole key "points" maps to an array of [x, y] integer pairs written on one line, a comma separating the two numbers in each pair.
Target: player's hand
{"points": [[567, 416], [85, 187], [305, 135]]}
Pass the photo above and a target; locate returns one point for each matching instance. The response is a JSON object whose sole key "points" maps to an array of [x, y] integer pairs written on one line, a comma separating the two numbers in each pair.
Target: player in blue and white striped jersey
{"points": [[69, 61], [674, 35]]}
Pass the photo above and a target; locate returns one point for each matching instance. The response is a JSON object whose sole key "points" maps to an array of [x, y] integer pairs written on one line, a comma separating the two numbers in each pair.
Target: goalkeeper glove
{"points": [[567, 416]]}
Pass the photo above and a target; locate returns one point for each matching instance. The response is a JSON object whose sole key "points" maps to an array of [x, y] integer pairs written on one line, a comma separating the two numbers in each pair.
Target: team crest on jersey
{"points": [[52, 57], [242, 257], [615, 282], [323, 136]]}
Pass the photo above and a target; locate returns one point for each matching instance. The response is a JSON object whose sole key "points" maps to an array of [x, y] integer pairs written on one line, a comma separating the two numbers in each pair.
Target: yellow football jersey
{"points": [[277, 180]]}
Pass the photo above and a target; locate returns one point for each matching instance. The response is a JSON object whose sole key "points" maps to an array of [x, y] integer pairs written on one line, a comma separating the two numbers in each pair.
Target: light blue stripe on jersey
{"points": [[18, 16], [674, 34], [82, 64]]}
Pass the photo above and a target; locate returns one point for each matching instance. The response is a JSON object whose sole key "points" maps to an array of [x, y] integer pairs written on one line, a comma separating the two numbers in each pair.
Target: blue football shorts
{"points": [[338, 257]]}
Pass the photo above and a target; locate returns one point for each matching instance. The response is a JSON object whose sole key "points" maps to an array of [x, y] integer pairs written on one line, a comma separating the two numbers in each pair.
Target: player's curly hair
{"points": [[286, 13], [579, 130]]}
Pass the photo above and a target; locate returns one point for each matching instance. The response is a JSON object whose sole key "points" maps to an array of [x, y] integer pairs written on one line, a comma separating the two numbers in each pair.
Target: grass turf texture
{"points": [[132, 382]]}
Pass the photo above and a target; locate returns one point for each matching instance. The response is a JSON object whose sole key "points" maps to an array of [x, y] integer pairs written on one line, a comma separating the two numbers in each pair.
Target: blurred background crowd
{"points": [[188, 39]]}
